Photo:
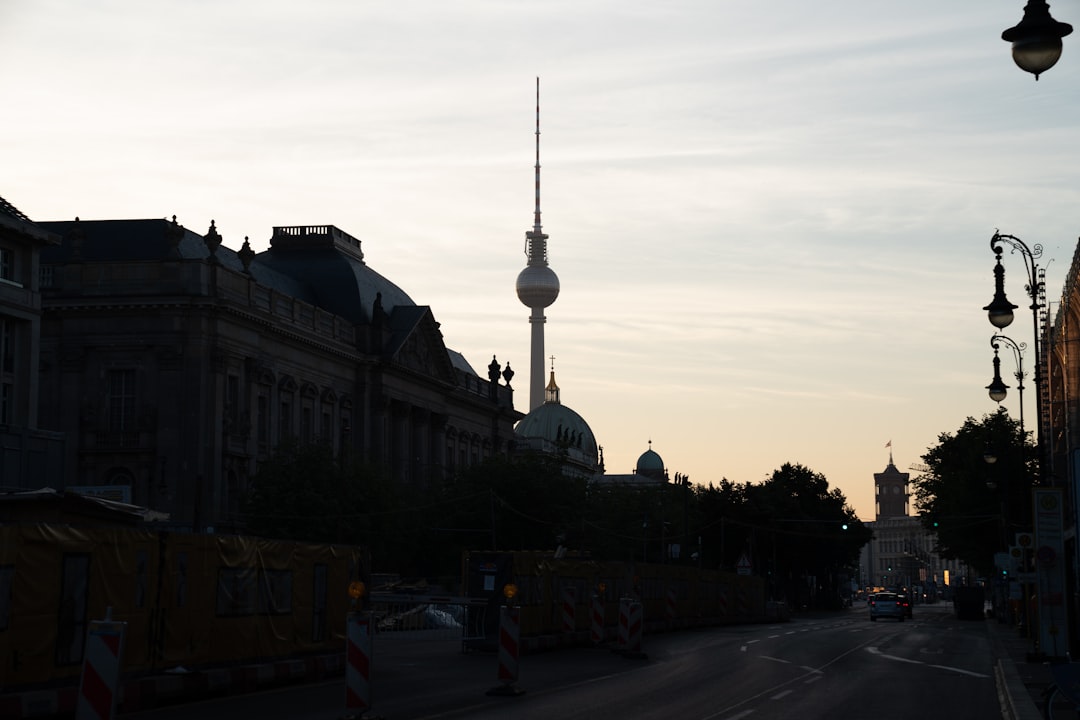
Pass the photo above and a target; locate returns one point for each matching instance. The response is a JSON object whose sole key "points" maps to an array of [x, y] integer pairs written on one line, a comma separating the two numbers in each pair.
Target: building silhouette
{"points": [[175, 365]]}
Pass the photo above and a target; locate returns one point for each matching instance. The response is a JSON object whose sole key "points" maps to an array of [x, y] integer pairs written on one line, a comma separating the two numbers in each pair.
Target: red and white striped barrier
{"points": [[597, 617], [623, 637], [101, 669], [509, 650], [358, 646], [569, 609], [635, 627]]}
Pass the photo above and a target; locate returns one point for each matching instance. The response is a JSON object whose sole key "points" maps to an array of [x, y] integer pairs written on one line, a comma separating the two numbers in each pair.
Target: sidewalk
{"points": [[1020, 683]]}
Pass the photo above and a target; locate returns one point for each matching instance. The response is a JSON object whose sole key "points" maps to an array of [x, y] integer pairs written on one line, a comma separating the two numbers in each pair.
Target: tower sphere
{"points": [[537, 286]]}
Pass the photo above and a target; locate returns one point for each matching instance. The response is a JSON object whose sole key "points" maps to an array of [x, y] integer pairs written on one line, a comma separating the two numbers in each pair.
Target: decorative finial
{"points": [[246, 254]]}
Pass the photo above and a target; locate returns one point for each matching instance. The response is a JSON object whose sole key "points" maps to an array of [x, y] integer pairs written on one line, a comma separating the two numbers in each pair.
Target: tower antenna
{"points": [[536, 212]]}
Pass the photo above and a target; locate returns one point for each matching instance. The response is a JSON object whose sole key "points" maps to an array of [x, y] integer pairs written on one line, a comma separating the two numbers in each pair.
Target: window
{"points": [[232, 404], [71, 618], [7, 345], [45, 276], [306, 423], [7, 264], [318, 605], [121, 400], [263, 418], [285, 421], [7, 399], [7, 581]]}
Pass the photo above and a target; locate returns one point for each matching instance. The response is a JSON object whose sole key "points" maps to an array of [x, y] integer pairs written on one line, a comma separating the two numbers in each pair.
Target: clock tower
{"points": [[891, 491]]}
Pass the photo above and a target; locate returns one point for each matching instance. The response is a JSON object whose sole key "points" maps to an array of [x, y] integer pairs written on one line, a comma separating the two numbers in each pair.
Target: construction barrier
{"points": [[101, 669], [569, 609], [358, 648], [596, 626], [635, 628], [623, 637], [509, 651]]}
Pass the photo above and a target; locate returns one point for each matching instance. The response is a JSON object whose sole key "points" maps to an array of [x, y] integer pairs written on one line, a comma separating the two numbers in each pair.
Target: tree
{"points": [[805, 534], [304, 493], [973, 506]]}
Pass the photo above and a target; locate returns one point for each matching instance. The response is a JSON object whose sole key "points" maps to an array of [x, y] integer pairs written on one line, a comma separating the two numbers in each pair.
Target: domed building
{"points": [[651, 465], [555, 429]]}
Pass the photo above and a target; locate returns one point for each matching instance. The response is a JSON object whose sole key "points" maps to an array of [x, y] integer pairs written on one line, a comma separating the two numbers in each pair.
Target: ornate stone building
{"points": [[28, 454], [176, 365]]}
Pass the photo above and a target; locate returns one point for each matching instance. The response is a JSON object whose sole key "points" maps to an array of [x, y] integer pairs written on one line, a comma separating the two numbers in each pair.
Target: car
{"points": [[887, 604], [908, 604]]}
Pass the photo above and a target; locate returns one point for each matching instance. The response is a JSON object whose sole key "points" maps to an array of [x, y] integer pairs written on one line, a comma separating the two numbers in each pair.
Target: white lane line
{"points": [[748, 642], [875, 651], [743, 714], [812, 679], [775, 659], [960, 670], [779, 695]]}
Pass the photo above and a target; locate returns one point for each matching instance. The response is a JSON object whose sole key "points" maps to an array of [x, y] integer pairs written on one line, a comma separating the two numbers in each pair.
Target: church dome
{"points": [[554, 428], [650, 464]]}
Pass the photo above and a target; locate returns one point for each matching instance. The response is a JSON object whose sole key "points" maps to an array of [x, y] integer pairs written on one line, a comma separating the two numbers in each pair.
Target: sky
{"points": [[771, 224]]}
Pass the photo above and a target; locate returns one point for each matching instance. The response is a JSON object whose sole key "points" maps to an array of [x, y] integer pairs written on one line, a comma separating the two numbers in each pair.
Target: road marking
{"points": [[961, 671], [775, 659], [813, 679], [779, 695]]}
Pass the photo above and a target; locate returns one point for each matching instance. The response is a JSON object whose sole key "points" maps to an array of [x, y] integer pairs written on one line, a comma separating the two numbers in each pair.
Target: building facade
{"points": [[902, 553], [28, 454], [176, 365]]}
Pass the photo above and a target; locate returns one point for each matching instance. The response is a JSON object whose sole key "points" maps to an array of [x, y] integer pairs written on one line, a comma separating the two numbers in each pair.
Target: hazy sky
{"points": [[771, 222]]}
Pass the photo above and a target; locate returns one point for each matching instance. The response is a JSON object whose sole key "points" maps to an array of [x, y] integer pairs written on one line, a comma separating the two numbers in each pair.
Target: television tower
{"points": [[537, 285]]}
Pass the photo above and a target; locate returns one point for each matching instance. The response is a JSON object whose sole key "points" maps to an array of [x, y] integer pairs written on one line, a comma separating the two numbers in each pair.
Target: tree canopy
{"points": [[792, 528], [975, 507]]}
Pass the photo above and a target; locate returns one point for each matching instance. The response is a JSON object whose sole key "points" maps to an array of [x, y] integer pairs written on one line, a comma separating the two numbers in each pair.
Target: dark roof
{"points": [[10, 210], [335, 281], [324, 276]]}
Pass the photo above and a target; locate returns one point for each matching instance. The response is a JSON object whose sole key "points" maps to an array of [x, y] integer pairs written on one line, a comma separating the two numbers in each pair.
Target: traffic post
{"points": [[509, 645], [597, 616], [100, 678], [359, 645]]}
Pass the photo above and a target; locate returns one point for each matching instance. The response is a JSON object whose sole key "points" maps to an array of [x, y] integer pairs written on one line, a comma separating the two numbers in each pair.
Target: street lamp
{"points": [[1036, 39], [998, 389], [1000, 314]]}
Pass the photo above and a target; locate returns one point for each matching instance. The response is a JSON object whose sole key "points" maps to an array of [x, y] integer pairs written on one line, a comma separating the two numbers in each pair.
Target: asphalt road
{"points": [[830, 666]]}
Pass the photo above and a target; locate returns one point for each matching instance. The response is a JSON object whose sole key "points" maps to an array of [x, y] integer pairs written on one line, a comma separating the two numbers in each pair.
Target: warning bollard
{"points": [[101, 669], [622, 639], [635, 627], [509, 641], [358, 648], [569, 609], [597, 625], [672, 605]]}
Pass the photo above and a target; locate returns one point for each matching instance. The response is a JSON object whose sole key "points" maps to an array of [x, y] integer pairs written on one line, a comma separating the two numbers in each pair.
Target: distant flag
{"points": [[888, 444]]}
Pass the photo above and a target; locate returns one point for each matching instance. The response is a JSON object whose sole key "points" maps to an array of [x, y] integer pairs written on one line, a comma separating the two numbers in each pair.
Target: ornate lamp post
{"points": [[998, 389], [1036, 39], [1000, 313]]}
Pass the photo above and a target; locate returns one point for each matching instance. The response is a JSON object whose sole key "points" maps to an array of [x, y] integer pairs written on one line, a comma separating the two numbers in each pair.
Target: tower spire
{"points": [[536, 212]]}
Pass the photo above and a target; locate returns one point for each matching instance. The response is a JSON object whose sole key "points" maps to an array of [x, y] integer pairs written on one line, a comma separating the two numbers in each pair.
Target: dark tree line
{"points": [[975, 506], [792, 529]]}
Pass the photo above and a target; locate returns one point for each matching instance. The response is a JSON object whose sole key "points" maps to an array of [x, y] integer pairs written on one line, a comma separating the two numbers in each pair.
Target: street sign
{"points": [[743, 566]]}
